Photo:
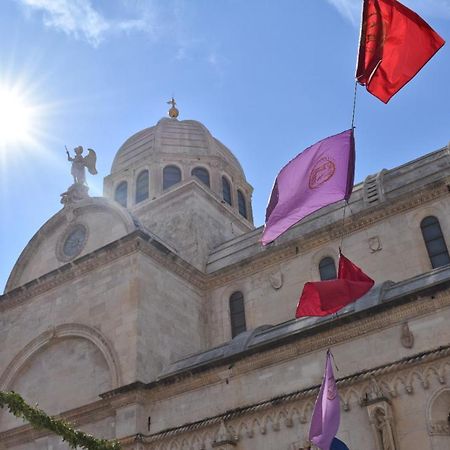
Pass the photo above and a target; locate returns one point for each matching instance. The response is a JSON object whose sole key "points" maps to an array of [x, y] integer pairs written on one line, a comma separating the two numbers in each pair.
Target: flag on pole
{"points": [[337, 444], [320, 175], [395, 43], [320, 298], [327, 412]]}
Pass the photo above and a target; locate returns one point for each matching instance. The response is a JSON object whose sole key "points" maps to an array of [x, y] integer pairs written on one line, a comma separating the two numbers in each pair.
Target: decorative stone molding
{"points": [[60, 332], [276, 279], [255, 264], [132, 243], [73, 227], [342, 331], [293, 248], [224, 440], [374, 244], [295, 409], [406, 338], [62, 217]]}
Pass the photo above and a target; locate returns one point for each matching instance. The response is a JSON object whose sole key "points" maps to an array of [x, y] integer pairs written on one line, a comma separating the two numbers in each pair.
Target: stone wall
{"points": [[399, 254]]}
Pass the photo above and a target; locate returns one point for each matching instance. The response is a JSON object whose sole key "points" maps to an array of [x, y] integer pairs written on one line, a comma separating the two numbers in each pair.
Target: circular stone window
{"points": [[72, 242]]}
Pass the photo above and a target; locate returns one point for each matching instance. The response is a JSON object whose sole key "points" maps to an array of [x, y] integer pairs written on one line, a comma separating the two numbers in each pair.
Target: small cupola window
{"points": [[242, 205], [121, 193], [226, 191], [202, 174], [142, 182], [171, 176]]}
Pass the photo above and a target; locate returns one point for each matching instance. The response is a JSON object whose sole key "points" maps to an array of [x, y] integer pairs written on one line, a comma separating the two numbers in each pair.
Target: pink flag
{"points": [[327, 413], [320, 175]]}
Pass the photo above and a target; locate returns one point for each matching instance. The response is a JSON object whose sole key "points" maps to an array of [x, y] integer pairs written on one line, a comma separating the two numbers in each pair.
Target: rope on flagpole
{"points": [[343, 224], [354, 104]]}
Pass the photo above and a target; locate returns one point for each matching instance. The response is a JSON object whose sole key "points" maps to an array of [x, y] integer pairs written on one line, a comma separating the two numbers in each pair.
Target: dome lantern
{"points": [[173, 111]]}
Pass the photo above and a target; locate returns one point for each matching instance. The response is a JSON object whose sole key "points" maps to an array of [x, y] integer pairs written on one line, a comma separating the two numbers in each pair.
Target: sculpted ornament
{"points": [[79, 190], [407, 338], [375, 244], [224, 440], [276, 280], [79, 163]]}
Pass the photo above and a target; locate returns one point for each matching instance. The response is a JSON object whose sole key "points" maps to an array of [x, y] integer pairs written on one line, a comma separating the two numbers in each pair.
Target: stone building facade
{"points": [[154, 316]]}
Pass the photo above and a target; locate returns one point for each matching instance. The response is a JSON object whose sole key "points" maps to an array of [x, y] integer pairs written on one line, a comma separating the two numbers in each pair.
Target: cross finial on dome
{"points": [[173, 112]]}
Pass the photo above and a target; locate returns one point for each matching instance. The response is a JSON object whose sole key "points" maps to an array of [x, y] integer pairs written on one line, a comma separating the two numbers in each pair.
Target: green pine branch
{"points": [[40, 420]]}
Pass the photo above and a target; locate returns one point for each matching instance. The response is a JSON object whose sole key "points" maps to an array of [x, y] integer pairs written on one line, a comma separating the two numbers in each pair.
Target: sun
{"points": [[16, 117]]}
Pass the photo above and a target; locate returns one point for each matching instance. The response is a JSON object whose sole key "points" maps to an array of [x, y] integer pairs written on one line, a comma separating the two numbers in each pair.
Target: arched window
{"points": [[327, 268], [226, 190], [434, 241], [171, 176], [142, 186], [241, 204], [237, 313], [120, 196], [202, 174]]}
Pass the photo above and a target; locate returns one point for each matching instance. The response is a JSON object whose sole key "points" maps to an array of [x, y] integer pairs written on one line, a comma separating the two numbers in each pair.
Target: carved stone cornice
{"points": [[417, 371], [296, 247], [331, 333], [138, 241]]}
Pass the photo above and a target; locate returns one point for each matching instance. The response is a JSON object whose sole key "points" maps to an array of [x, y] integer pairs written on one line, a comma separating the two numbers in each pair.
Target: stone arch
{"points": [[307, 409], [244, 429], [438, 412], [294, 414], [62, 331], [65, 217], [352, 394]]}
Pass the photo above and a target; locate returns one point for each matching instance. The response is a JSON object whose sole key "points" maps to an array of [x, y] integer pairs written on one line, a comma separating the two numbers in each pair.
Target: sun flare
{"points": [[15, 117]]}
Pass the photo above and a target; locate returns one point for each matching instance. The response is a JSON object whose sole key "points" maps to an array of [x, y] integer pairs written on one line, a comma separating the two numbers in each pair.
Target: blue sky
{"points": [[268, 78]]}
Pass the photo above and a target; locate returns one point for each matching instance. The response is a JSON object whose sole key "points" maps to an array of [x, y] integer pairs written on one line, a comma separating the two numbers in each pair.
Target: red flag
{"points": [[321, 298], [395, 44]]}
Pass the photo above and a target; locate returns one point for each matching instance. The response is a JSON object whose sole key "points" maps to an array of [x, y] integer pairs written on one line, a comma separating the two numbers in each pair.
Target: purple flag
{"points": [[327, 413], [320, 175]]}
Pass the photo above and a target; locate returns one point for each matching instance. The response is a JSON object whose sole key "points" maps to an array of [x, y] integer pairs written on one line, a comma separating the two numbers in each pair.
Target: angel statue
{"points": [[79, 162]]}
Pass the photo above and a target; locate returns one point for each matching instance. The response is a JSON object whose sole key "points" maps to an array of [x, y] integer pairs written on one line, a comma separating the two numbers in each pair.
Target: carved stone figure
{"points": [[79, 162], [384, 427], [382, 421]]}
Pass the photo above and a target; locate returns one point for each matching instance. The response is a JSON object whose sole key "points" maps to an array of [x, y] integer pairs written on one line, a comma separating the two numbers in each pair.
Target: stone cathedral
{"points": [[153, 315]]}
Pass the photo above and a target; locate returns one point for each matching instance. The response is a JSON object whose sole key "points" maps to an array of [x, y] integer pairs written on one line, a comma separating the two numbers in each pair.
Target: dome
{"points": [[185, 138], [163, 161]]}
